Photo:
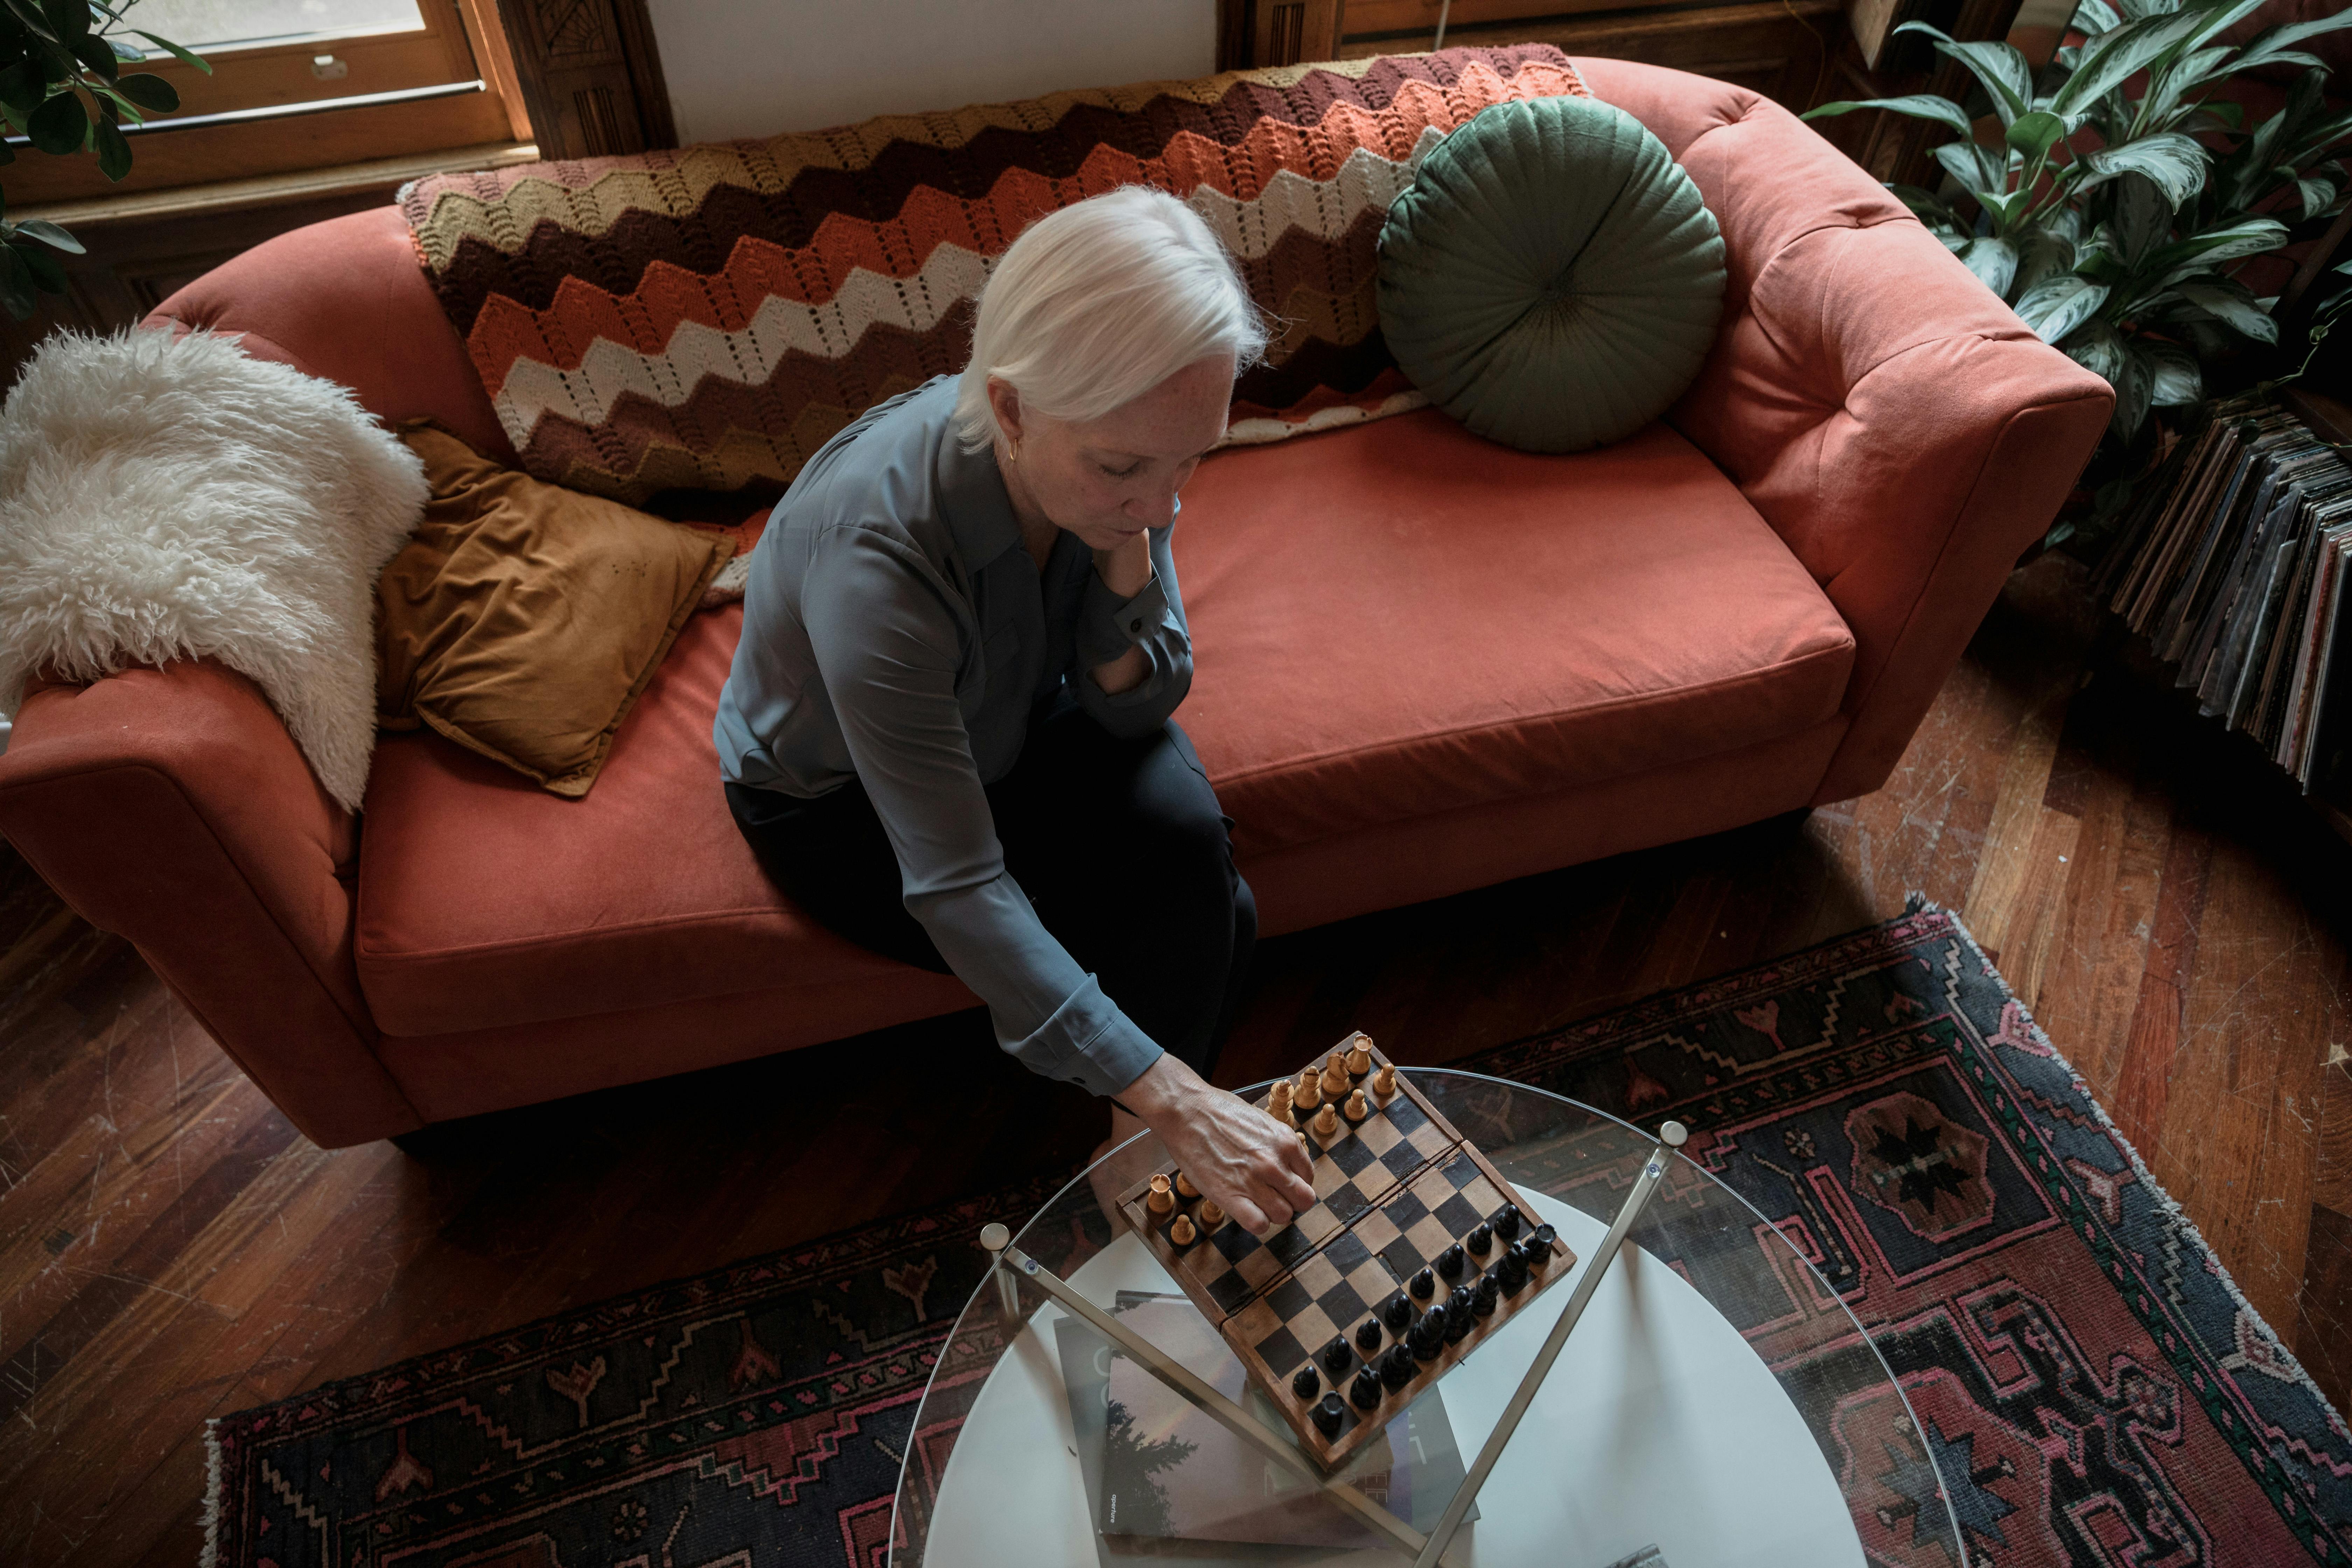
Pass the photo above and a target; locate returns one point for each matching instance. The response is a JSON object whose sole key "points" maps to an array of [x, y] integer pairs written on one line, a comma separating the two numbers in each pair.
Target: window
{"points": [[299, 84]]}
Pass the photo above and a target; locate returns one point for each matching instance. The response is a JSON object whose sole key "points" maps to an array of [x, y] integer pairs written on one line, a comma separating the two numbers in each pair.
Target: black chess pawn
{"points": [[1424, 1284], [1397, 1367], [1539, 1247], [1506, 1222], [1305, 1382], [1367, 1336], [1428, 1336], [1329, 1414], [1397, 1313], [1481, 1300], [1450, 1261], [1365, 1392], [1337, 1358], [1457, 1313], [1511, 1273], [1480, 1239]]}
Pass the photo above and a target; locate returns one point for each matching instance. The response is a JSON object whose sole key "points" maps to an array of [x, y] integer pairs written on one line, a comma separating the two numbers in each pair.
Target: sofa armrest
{"points": [[1904, 434], [171, 807]]}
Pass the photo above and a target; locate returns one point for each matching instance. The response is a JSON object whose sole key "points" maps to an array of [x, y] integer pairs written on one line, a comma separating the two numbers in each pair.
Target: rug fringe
{"points": [[1917, 903], [210, 1556]]}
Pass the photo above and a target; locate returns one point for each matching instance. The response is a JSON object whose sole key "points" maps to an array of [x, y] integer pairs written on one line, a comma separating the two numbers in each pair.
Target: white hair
{"points": [[1097, 304]]}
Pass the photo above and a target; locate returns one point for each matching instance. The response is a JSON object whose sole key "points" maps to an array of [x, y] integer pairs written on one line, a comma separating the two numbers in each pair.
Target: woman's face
{"points": [[1107, 479]]}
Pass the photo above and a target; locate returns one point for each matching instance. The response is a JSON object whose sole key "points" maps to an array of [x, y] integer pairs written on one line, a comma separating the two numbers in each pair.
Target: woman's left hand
{"points": [[1126, 570]]}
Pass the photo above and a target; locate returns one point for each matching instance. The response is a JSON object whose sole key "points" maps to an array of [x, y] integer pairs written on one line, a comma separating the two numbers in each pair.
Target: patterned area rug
{"points": [[2095, 1392]]}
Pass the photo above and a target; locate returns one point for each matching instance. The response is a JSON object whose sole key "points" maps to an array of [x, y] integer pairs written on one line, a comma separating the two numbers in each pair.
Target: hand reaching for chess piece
{"points": [[1240, 1157]]}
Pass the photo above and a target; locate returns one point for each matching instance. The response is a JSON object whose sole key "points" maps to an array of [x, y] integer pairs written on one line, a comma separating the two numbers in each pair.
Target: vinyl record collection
{"points": [[2232, 563]]}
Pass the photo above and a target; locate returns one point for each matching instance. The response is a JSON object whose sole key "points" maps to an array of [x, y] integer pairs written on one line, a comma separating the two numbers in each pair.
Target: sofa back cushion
{"points": [[705, 319]]}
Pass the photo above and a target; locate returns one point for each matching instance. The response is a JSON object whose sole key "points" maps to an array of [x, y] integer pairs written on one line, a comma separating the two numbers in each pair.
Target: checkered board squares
{"points": [[1432, 1213], [1322, 1301]]}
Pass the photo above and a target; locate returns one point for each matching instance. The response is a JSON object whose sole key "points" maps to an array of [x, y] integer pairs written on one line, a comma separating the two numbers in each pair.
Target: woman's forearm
{"points": [[1125, 571]]}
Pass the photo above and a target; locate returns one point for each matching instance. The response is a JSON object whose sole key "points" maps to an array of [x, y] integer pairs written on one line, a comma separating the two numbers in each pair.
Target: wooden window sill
{"points": [[227, 196]]}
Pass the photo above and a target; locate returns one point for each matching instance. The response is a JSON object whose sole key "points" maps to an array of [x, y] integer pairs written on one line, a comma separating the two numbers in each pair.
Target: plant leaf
{"points": [[50, 234], [2056, 306], [68, 20], [94, 54], [22, 89], [1974, 167], [2133, 387], [2098, 348], [2095, 16], [2040, 254], [2318, 195], [185, 57], [1919, 106], [149, 91], [2173, 162], [113, 149], [18, 289], [2227, 242], [49, 275], [1994, 261], [2235, 307], [2033, 132], [2007, 78], [2272, 44], [59, 126], [2175, 379], [2114, 58], [2138, 217]]}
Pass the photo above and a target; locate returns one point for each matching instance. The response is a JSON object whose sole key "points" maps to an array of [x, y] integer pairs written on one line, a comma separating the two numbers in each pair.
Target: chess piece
{"points": [[1384, 1083], [1480, 1239], [1397, 1368], [1356, 1108], [1212, 1215], [1335, 1076], [1365, 1392], [1185, 1187], [1459, 1308], [1367, 1337], [1540, 1253], [1423, 1285], [1304, 1382], [1327, 1121], [1277, 1102], [1397, 1313], [1449, 1262], [1309, 1092], [1506, 1222], [1511, 1273], [1427, 1340], [1481, 1300], [1329, 1414], [1337, 1357], [1359, 1055], [1181, 1234], [1159, 1200]]}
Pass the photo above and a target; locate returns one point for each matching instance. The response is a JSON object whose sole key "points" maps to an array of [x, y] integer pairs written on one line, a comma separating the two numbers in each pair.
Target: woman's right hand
{"points": [[1250, 1164]]}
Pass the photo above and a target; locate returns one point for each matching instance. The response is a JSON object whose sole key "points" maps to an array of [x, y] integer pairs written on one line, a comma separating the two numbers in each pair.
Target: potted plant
{"points": [[54, 53], [2115, 200]]}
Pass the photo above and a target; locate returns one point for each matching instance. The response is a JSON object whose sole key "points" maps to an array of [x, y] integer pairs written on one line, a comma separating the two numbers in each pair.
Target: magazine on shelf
{"points": [[1159, 1473]]}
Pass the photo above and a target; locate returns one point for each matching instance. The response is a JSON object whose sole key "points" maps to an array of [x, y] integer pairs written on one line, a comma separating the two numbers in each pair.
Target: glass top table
{"points": [[1717, 1406]]}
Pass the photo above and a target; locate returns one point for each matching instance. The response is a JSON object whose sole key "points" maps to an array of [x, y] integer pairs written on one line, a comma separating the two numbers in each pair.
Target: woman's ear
{"points": [[1005, 403]]}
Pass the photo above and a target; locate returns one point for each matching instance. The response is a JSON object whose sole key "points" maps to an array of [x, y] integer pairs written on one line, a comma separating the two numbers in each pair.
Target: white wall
{"points": [[753, 68]]}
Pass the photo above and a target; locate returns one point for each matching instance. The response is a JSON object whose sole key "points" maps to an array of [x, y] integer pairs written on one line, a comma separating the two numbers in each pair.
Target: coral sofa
{"points": [[1426, 664]]}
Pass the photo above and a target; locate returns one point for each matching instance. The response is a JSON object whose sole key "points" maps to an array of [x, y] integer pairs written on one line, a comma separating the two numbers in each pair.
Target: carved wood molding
{"points": [[591, 76]]}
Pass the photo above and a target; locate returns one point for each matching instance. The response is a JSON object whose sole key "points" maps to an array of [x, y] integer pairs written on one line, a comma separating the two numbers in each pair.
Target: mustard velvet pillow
{"points": [[522, 619]]}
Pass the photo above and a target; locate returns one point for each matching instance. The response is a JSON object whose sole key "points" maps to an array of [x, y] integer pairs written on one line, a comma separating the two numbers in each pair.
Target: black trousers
{"points": [[1117, 842]]}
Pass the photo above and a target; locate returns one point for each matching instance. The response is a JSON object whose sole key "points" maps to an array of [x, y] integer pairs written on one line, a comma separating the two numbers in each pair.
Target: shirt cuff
{"points": [[1089, 1042], [1109, 626]]}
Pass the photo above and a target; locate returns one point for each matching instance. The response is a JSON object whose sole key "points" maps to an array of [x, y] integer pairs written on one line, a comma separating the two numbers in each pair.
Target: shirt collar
{"points": [[979, 511]]}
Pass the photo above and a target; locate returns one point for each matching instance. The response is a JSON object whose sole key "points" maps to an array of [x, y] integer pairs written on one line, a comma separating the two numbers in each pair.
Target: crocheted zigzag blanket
{"points": [[705, 319]]}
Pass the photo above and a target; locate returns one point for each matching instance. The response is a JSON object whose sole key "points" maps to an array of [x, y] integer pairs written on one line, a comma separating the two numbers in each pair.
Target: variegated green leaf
{"points": [[2008, 79], [2233, 305], [1994, 261], [2173, 162], [2175, 380], [2056, 306], [1919, 106]]}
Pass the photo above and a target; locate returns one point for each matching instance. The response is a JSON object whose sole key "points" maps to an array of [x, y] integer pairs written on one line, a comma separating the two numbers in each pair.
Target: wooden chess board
{"points": [[1393, 1194]]}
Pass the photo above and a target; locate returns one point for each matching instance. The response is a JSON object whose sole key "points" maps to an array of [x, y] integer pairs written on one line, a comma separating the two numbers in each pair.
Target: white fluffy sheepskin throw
{"points": [[168, 498]]}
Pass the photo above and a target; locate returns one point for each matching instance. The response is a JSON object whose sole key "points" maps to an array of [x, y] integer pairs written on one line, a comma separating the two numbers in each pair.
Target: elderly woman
{"points": [[947, 734]]}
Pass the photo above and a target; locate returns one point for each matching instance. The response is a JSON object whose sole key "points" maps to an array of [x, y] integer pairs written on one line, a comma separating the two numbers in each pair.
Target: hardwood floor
{"points": [[171, 1250]]}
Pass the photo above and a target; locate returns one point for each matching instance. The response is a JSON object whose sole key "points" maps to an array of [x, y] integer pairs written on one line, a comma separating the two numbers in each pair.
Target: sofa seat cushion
{"points": [[1402, 619], [1392, 621], [486, 902]]}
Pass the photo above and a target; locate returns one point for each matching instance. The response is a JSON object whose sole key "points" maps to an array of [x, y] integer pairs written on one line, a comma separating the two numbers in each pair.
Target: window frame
{"points": [[447, 85]]}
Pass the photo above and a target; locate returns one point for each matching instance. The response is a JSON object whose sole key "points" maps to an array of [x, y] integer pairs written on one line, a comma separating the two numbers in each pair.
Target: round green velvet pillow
{"points": [[1550, 277]]}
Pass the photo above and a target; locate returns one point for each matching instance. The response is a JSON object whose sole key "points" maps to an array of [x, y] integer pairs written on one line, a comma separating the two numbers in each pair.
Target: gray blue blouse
{"points": [[895, 631]]}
